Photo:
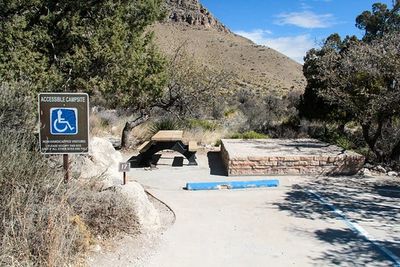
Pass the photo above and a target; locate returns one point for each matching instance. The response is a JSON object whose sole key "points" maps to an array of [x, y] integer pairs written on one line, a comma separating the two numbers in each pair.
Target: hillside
{"points": [[213, 44]]}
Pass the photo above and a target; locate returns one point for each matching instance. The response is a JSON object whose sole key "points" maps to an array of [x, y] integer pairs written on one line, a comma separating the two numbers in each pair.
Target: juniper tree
{"points": [[100, 47], [358, 80]]}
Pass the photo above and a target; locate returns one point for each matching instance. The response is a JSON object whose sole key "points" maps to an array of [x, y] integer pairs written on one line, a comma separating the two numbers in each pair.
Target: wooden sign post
{"points": [[124, 167], [64, 125]]}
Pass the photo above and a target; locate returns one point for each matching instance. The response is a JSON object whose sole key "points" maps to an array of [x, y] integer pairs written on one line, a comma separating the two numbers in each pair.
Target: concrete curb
{"points": [[231, 185]]}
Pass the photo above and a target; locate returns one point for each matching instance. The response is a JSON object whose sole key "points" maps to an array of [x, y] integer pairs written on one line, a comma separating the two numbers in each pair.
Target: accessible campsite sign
{"points": [[64, 123]]}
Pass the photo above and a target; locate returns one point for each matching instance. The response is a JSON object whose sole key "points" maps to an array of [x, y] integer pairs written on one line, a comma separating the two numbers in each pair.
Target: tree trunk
{"points": [[129, 125], [341, 127], [371, 141], [395, 154]]}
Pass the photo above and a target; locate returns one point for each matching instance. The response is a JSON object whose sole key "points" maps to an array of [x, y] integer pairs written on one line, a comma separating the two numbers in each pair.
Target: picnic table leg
{"points": [[145, 158], [191, 156], [184, 150]]}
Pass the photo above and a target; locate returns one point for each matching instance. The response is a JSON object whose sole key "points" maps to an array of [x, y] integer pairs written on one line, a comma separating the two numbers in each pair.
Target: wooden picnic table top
{"points": [[168, 135]]}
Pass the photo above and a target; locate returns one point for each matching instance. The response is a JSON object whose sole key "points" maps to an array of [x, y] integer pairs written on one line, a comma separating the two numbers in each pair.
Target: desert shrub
{"points": [[39, 222], [218, 142], [106, 213], [314, 129], [203, 124], [249, 135], [266, 112], [35, 226], [344, 143], [229, 112], [45, 222], [164, 124], [17, 108]]}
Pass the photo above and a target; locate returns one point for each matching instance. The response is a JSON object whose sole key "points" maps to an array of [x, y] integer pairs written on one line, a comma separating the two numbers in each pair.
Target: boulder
{"points": [[148, 216], [102, 162]]}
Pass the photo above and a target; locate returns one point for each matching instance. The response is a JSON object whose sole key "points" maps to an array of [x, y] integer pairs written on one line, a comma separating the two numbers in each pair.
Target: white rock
{"points": [[148, 216], [379, 168], [114, 130], [96, 248], [392, 173], [365, 172], [368, 166], [102, 162]]}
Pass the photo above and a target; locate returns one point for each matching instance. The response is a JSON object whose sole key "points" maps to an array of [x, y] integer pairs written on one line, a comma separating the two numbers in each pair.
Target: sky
{"points": [[290, 26]]}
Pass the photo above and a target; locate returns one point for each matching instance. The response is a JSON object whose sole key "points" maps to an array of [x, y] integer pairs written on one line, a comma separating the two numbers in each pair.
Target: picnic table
{"points": [[166, 140]]}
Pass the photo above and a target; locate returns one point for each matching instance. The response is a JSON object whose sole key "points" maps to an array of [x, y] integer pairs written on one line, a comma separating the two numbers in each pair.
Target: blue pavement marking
{"points": [[356, 228], [232, 185]]}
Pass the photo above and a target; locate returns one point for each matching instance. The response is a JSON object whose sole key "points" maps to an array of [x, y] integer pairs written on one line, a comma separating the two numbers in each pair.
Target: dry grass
{"points": [[45, 222], [204, 137], [35, 215], [106, 213]]}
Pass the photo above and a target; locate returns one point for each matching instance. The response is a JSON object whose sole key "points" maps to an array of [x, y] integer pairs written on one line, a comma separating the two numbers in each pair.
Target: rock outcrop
{"points": [[193, 13]]}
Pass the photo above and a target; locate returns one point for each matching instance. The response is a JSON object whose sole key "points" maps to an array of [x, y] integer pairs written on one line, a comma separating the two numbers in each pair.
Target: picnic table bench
{"points": [[166, 140]]}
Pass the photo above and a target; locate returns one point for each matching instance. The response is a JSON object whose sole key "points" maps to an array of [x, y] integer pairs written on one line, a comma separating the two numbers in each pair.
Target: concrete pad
{"points": [[287, 156], [267, 227]]}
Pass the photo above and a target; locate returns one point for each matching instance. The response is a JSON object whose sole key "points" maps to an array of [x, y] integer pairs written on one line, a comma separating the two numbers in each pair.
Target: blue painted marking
{"points": [[232, 185], [63, 121], [356, 228]]}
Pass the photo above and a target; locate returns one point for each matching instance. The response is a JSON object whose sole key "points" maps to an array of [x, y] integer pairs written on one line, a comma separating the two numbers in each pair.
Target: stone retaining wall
{"points": [[346, 163]]}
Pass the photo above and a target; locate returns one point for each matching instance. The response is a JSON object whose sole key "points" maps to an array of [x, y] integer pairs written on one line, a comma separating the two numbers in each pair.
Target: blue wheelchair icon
{"points": [[63, 121]]}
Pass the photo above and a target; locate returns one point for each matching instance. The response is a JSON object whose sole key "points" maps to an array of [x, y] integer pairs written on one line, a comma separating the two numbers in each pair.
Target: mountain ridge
{"points": [[193, 13], [213, 44]]}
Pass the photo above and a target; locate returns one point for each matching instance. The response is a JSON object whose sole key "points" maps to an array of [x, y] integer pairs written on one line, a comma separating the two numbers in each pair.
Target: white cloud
{"points": [[257, 35], [294, 47], [306, 19]]}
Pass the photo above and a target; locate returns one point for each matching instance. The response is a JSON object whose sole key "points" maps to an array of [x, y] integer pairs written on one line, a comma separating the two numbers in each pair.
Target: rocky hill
{"points": [[193, 13], [213, 44]]}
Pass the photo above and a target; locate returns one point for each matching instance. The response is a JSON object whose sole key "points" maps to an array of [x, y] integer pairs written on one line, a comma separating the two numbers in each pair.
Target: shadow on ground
{"points": [[388, 190], [352, 250], [362, 201], [216, 164], [135, 161]]}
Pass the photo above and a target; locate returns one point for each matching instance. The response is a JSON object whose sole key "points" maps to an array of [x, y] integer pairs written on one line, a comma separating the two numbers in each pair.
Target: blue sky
{"points": [[290, 26]]}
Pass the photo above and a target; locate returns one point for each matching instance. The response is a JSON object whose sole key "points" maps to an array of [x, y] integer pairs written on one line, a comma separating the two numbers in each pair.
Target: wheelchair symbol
{"points": [[63, 121]]}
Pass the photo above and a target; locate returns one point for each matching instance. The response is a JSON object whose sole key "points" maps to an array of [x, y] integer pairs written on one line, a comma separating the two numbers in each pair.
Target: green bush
{"points": [[229, 112], [17, 107], [203, 124], [164, 124], [249, 135], [218, 142], [344, 142]]}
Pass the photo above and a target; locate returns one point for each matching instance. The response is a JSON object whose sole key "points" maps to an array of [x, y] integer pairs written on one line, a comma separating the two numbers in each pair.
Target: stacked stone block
{"points": [[333, 162]]}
